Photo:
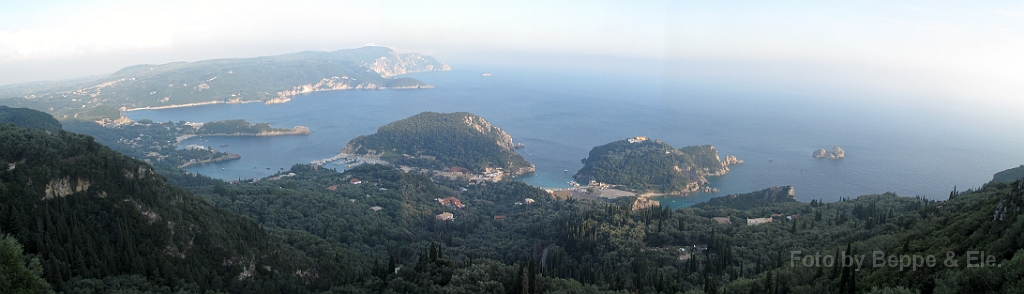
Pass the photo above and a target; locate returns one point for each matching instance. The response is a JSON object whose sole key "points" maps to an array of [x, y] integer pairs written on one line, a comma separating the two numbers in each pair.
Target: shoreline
{"points": [[285, 98], [194, 104]]}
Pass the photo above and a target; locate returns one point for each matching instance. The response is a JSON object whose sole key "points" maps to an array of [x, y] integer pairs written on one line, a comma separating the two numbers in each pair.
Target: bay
{"points": [[560, 116]]}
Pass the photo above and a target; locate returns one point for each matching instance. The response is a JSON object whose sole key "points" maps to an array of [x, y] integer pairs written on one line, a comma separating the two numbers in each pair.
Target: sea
{"points": [[560, 115]]}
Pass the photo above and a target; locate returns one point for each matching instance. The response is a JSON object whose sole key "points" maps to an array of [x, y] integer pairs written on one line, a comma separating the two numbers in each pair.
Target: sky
{"points": [[948, 53]]}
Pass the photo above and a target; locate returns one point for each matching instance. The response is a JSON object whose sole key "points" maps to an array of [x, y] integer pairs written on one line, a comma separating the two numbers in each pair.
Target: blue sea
{"points": [[560, 116]]}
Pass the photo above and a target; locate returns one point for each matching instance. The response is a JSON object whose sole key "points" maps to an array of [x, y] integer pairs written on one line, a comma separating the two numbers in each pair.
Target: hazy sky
{"points": [[937, 51]]}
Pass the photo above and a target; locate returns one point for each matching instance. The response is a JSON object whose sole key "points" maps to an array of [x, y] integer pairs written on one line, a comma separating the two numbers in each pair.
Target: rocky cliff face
{"points": [[396, 64], [504, 140]]}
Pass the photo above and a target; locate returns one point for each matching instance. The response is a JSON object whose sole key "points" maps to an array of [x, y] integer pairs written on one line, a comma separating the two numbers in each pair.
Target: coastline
{"points": [[284, 96], [194, 104]]}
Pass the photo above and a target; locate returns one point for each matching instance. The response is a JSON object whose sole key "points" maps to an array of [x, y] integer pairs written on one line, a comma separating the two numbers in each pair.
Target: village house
{"points": [[529, 201], [450, 202], [447, 216], [332, 188], [500, 217], [457, 170], [355, 181], [376, 208], [722, 220]]}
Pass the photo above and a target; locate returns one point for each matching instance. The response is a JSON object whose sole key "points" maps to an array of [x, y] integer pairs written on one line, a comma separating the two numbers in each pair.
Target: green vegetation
{"points": [[15, 275], [650, 165], [28, 118], [96, 221], [1009, 175], [443, 140], [221, 80], [591, 246], [237, 126], [87, 211], [753, 199]]}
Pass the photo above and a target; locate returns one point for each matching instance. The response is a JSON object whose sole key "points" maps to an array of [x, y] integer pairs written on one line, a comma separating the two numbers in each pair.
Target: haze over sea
{"points": [[560, 116]]}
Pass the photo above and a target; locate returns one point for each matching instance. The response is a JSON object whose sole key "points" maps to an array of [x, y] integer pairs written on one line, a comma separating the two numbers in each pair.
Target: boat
{"points": [[485, 75]]}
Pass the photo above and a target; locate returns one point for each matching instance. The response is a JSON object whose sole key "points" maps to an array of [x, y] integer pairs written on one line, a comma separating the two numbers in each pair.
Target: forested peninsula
{"points": [[240, 127], [643, 164], [444, 141]]}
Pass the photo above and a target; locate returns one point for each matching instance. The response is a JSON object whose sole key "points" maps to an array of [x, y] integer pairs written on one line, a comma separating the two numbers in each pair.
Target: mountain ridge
{"points": [[269, 79]]}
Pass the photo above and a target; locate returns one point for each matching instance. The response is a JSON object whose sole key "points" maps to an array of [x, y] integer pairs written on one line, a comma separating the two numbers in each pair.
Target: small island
{"points": [[835, 153], [644, 165], [449, 144], [240, 127]]}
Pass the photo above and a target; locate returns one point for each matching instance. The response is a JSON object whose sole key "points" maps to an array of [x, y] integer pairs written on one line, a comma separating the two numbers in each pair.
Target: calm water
{"points": [[560, 117]]}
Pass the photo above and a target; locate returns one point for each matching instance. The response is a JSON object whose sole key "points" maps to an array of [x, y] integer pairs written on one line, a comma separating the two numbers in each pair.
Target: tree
{"points": [[15, 275]]}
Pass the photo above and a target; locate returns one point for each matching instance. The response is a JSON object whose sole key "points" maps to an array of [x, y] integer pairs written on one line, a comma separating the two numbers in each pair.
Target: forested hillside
{"points": [[87, 212], [651, 165], [590, 246], [29, 118], [91, 220], [1009, 175], [443, 140]]}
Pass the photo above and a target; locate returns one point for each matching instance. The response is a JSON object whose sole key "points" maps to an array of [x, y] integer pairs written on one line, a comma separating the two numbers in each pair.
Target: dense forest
{"points": [[87, 212], [443, 140], [78, 217], [654, 165]]}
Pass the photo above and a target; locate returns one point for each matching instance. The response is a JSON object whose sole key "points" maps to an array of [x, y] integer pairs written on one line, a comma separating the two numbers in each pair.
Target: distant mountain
{"points": [[270, 79], [87, 211], [752, 199], [29, 118], [643, 164], [443, 140], [1009, 175]]}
